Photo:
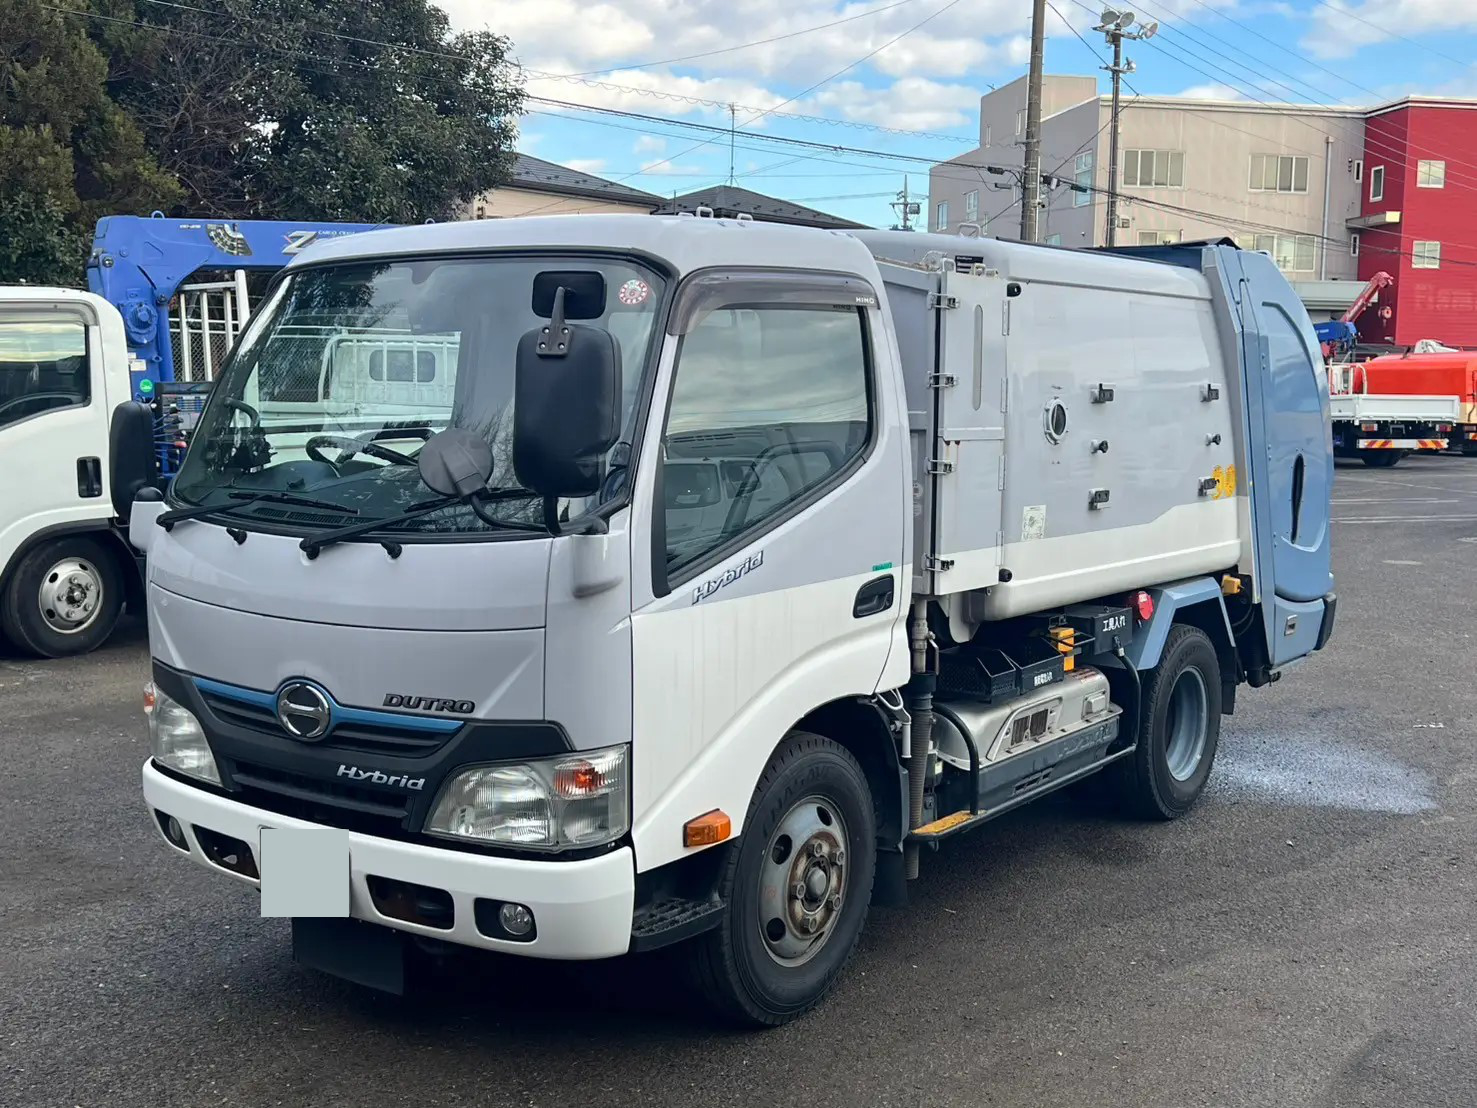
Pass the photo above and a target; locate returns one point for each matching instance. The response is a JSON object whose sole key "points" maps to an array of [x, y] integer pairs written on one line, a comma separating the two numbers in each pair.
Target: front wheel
{"points": [[797, 885], [1179, 727], [64, 597]]}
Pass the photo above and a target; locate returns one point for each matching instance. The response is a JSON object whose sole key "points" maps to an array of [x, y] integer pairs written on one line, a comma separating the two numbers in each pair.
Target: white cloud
{"points": [[586, 165], [649, 144], [912, 103], [1340, 29]]}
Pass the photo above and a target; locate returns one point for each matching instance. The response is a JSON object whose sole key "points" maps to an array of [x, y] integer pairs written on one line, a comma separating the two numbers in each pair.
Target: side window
{"points": [[43, 366], [768, 405]]}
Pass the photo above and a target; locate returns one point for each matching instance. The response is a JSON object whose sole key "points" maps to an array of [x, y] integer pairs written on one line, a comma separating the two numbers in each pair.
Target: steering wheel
{"points": [[365, 444], [67, 398], [252, 415]]}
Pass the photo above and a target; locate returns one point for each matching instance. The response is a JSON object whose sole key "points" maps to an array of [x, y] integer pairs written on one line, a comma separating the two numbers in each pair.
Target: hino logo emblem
{"points": [[303, 710]]}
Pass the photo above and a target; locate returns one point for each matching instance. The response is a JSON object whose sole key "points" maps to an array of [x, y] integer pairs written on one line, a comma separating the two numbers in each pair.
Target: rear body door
{"points": [[1292, 468]]}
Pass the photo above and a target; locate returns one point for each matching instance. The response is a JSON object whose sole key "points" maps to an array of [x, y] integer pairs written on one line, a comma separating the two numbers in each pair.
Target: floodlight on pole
{"points": [[1125, 20]]}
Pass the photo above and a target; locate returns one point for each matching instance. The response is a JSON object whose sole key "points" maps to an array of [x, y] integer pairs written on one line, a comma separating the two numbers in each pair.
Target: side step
{"points": [[1007, 786]]}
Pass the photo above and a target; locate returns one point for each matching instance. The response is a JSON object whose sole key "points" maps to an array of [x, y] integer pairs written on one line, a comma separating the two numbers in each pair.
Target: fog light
{"points": [[172, 830], [516, 919]]}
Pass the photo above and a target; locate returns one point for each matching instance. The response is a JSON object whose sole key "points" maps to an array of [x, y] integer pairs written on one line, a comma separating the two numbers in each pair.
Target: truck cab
{"points": [[703, 572], [65, 568]]}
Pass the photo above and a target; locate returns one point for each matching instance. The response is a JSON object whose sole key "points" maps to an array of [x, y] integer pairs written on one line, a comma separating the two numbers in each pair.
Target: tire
{"points": [[1179, 726], [1382, 459], [32, 614], [765, 972]]}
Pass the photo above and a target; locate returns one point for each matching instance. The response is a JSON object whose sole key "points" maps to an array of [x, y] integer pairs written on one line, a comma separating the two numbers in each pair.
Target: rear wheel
{"points": [[1382, 459], [64, 597], [1179, 730], [797, 885]]}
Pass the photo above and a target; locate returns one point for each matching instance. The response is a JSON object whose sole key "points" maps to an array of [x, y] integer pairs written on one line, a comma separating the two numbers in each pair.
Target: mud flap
{"points": [[363, 953]]}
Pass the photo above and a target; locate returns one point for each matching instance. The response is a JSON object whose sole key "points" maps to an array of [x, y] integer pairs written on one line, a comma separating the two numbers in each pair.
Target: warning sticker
{"points": [[633, 292], [1033, 522]]}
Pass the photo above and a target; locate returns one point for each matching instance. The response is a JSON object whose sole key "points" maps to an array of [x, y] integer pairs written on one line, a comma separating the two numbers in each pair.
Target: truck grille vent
{"points": [[330, 803], [380, 739]]}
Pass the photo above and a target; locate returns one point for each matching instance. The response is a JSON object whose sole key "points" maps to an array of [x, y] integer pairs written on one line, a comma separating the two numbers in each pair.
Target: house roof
{"points": [[730, 200], [535, 173]]}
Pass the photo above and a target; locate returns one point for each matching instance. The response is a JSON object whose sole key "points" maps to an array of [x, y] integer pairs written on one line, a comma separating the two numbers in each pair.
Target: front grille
{"points": [[332, 803], [365, 738]]}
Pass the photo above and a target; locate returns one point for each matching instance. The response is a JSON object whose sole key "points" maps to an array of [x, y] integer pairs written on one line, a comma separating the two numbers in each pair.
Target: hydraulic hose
{"points": [[920, 707]]}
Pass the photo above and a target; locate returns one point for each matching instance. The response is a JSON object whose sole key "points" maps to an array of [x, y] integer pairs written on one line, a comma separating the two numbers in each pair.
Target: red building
{"points": [[1418, 221]]}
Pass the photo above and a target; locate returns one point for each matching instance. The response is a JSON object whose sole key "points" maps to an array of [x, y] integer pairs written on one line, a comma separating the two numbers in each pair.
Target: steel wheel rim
{"points": [[1187, 725], [802, 881], [70, 598]]}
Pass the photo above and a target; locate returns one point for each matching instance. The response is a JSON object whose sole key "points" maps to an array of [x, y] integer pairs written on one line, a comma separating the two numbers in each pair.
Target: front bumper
{"points": [[583, 908]]}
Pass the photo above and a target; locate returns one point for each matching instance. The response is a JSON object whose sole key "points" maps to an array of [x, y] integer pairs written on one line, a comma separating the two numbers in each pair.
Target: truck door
{"points": [[1292, 474], [53, 419], [771, 509]]}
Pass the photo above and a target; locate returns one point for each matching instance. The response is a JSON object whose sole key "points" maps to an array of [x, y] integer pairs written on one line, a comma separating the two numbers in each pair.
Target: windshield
{"points": [[347, 370]]}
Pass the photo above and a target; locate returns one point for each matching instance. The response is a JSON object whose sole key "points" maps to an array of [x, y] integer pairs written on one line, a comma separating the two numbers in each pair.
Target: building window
{"points": [[1020, 122], [1158, 238], [1292, 253], [941, 215], [1154, 168], [1430, 175], [1425, 255], [1376, 183], [986, 136], [1279, 173], [1082, 176], [1353, 246], [785, 392], [972, 206], [1358, 167], [1053, 240]]}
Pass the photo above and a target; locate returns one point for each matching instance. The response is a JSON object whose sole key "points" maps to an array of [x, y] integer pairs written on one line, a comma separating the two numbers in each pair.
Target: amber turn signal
{"points": [[705, 830]]}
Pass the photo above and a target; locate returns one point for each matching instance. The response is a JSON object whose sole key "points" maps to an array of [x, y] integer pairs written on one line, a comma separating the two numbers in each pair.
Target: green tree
{"points": [[367, 110], [68, 153]]}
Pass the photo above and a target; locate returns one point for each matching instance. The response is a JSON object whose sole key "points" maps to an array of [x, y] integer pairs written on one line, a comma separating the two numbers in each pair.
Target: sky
{"points": [[860, 73]]}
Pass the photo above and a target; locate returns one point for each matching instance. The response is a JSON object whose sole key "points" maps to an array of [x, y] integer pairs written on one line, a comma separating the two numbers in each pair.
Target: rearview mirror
{"points": [[584, 293], [566, 405]]}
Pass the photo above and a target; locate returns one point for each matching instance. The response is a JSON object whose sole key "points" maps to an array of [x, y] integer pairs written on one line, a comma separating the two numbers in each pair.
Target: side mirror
{"points": [[566, 406], [132, 461]]}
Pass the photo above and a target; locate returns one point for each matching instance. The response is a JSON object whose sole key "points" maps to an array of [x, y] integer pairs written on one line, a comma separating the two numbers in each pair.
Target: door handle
{"points": [[873, 597], [89, 477]]}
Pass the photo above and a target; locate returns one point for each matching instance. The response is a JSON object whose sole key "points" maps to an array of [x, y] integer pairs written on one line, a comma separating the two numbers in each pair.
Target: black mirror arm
{"points": [[588, 524]]}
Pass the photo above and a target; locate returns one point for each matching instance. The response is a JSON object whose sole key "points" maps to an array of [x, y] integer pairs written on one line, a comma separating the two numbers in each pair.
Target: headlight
{"points": [[175, 737], [574, 800]]}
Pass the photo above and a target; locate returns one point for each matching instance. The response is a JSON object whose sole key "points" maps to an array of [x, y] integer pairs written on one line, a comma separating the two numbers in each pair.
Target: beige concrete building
{"points": [[537, 187], [1283, 179]]}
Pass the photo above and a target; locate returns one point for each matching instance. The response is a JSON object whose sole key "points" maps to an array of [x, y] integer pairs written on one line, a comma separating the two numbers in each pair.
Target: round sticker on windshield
{"points": [[633, 292]]}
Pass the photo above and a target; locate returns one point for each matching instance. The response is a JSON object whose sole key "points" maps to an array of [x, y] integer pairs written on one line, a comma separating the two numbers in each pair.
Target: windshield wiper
{"points": [[167, 520], [314, 543]]}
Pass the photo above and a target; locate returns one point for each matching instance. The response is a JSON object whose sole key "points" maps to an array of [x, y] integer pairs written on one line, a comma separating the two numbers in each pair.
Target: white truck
{"points": [[1381, 428], [738, 563], [66, 568]]}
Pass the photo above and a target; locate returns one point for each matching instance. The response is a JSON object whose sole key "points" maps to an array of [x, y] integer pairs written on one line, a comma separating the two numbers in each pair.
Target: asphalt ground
{"points": [[1304, 937]]}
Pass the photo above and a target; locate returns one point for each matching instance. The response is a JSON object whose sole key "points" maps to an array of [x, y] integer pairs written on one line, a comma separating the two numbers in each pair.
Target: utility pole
{"points": [[732, 126], [906, 208], [1031, 183], [1116, 26]]}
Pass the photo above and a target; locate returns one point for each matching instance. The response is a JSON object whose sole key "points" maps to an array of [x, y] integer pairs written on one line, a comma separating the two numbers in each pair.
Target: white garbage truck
{"points": [[726, 568]]}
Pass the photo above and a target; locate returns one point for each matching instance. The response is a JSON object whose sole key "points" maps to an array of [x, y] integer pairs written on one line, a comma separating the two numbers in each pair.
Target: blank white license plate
{"points": [[304, 871]]}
